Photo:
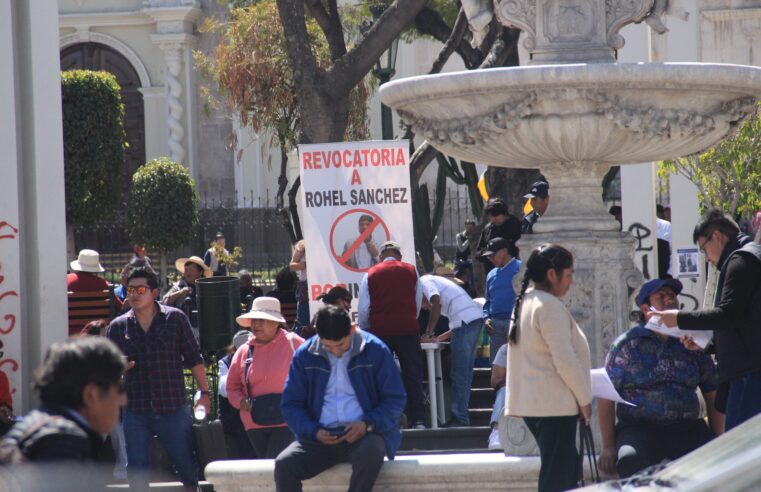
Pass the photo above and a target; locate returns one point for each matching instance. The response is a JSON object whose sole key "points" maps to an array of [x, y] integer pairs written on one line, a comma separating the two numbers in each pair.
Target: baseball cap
{"points": [[652, 286], [539, 189], [495, 245], [390, 245]]}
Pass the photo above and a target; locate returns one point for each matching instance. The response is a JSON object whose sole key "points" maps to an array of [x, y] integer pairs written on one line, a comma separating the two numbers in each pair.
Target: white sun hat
{"points": [[88, 261], [262, 308]]}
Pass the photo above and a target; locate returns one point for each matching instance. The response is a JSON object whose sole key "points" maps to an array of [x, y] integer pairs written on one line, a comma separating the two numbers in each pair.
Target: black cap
{"points": [[219, 236], [539, 189], [495, 245]]}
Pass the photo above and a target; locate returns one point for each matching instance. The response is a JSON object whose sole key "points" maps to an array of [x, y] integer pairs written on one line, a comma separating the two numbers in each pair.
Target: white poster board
{"points": [[355, 196]]}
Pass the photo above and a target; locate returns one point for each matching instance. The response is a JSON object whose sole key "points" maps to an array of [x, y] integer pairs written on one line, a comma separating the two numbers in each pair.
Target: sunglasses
{"points": [[140, 290]]}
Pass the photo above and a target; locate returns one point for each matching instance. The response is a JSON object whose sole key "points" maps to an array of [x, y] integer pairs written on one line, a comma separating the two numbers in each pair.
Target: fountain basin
{"points": [[616, 113]]}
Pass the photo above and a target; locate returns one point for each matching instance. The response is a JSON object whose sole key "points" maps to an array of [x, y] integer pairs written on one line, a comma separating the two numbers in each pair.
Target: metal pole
{"points": [[387, 122]]}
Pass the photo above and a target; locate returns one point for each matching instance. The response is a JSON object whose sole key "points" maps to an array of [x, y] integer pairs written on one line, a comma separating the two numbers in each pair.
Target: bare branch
{"points": [[504, 51], [455, 38], [330, 23], [429, 22]]}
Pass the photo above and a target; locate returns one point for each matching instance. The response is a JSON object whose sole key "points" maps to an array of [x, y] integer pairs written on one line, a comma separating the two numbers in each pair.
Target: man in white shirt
{"points": [[444, 297], [366, 255]]}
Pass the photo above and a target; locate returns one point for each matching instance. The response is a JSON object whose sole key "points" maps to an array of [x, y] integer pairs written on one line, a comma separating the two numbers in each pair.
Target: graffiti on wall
{"points": [[7, 315]]}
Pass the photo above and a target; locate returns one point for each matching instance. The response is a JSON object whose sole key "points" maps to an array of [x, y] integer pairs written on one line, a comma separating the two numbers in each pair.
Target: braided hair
{"points": [[538, 264]]}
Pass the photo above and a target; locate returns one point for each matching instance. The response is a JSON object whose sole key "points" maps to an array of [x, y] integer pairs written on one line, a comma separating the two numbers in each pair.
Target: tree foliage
{"points": [[728, 175], [162, 211], [251, 68], [93, 144]]}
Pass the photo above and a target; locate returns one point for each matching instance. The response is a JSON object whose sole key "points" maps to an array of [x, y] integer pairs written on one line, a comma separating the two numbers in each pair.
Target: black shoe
{"points": [[455, 423], [418, 425]]}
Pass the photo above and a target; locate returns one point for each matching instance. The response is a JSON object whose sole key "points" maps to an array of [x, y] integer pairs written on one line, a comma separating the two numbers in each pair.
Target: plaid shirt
{"points": [[156, 383]]}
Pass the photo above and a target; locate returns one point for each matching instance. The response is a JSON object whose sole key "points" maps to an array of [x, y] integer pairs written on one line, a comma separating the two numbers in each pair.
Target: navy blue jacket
{"points": [[373, 375]]}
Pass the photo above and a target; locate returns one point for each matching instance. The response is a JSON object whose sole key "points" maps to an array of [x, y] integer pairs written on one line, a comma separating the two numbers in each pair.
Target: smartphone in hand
{"points": [[336, 431]]}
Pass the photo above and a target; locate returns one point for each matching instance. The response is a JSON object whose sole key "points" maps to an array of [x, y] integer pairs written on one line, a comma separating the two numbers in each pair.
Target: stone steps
{"points": [[453, 438]]}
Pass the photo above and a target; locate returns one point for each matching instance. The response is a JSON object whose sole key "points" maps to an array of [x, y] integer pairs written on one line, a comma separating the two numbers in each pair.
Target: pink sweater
{"points": [[268, 372]]}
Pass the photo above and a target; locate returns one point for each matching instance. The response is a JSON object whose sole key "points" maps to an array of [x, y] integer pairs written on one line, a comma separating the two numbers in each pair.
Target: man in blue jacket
{"points": [[343, 399]]}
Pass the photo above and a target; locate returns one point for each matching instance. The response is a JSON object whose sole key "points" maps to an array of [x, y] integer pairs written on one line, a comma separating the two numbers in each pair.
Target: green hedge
{"points": [[93, 144], [162, 211]]}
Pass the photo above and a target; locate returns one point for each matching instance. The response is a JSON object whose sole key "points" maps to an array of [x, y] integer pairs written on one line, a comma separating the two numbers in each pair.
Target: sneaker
{"points": [[419, 425], [494, 442]]}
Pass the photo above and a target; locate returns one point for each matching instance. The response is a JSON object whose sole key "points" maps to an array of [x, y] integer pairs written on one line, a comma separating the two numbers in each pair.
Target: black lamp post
{"points": [[384, 70]]}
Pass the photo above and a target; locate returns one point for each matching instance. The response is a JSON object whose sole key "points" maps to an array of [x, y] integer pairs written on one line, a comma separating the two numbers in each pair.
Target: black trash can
{"points": [[218, 301]]}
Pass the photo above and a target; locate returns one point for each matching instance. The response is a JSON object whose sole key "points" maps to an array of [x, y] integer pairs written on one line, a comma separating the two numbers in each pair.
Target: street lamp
{"points": [[383, 71]]}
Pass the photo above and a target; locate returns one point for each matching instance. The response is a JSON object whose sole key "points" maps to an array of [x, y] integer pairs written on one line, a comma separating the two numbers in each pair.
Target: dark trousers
{"points": [[556, 437], [744, 399], [303, 460], [643, 444], [270, 441], [412, 361]]}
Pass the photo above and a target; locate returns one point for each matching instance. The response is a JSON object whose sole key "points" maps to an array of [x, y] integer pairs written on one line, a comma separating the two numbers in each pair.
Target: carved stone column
{"points": [[173, 55]]}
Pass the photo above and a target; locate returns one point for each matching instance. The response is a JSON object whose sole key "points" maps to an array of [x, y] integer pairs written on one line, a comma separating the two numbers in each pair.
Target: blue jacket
{"points": [[373, 374]]}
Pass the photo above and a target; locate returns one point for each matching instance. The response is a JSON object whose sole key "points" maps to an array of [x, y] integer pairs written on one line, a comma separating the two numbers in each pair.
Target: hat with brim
{"points": [[87, 261], [651, 287], [495, 245], [263, 308], [180, 265]]}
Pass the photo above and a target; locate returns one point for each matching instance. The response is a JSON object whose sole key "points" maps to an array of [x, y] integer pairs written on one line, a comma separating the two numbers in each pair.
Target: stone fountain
{"points": [[572, 113]]}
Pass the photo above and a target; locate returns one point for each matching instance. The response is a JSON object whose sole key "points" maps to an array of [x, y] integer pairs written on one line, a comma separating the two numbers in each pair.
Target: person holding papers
{"points": [[659, 376]]}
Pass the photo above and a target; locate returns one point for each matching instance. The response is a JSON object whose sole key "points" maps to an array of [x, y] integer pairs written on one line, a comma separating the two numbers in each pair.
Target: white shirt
{"points": [[456, 304]]}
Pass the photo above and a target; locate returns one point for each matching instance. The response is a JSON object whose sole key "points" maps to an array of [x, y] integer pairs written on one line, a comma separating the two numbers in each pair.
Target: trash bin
{"points": [[218, 301]]}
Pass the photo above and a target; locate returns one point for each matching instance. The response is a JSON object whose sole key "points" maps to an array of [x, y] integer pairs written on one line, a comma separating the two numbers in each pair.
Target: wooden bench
{"points": [[85, 307]]}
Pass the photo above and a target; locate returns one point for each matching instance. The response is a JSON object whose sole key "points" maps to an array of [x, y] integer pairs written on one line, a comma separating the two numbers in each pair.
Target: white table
{"points": [[435, 383]]}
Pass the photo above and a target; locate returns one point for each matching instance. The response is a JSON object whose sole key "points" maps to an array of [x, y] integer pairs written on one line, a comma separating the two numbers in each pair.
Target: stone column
{"points": [[173, 47], [32, 203]]}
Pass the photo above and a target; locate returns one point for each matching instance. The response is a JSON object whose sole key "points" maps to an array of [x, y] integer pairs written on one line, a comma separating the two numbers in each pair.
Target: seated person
{"points": [[660, 376], [6, 404], [238, 445], [285, 284], [182, 294], [82, 277], [346, 411], [248, 291], [498, 380]]}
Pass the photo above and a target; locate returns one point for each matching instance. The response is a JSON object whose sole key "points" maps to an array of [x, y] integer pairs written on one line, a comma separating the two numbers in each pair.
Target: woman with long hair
{"points": [[548, 380]]}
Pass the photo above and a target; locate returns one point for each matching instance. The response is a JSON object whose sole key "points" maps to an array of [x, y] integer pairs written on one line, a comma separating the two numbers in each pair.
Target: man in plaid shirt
{"points": [[158, 342]]}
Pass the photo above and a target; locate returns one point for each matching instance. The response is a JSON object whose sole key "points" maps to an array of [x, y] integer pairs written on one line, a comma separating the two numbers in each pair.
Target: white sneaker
{"points": [[494, 440]]}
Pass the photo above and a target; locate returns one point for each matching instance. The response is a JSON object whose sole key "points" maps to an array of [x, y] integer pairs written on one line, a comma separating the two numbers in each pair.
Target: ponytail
{"points": [[542, 259], [512, 337]]}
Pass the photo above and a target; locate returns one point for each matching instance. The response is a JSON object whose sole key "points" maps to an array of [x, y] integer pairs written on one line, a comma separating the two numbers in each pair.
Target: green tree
{"points": [[93, 145], [162, 209], [728, 175]]}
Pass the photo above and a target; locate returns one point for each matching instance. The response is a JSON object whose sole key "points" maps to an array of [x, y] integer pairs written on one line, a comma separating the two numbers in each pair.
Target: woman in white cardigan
{"points": [[548, 380]]}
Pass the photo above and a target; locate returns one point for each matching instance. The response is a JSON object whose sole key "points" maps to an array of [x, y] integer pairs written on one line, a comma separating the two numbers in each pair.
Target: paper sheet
{"points": [[602, 387], [700, 337]]}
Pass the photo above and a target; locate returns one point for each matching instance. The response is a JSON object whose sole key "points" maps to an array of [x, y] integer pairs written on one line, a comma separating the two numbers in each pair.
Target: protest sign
{"points": [[355, 197]]}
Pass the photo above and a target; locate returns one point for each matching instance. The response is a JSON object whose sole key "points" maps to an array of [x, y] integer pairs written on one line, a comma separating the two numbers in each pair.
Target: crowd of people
{"points": [[325, 390]]}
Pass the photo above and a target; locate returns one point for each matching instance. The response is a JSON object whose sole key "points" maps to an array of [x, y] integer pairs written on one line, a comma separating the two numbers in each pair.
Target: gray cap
{"points": [[390, 245], [240, 338]]}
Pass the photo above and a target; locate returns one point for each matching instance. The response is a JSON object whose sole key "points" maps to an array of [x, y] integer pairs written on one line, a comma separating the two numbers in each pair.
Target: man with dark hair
{"points": [[343, 399], [464, 239], [660, 377], [501, 224], [736, 317], [540, 199], [159, 341], [211, 257], [390, 298], [499, 293], [79, 385], [366, 255]]}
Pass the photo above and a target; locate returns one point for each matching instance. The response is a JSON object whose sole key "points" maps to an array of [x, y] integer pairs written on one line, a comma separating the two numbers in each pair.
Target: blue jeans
{"points": [[175, 432], [499, 406], [464, 341], [302, 314], [498, 338], [744, 399]]}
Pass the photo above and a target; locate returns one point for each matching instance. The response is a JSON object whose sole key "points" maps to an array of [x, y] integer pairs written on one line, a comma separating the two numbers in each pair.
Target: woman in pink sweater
{"points": [[257, 376], [548, 380]]}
